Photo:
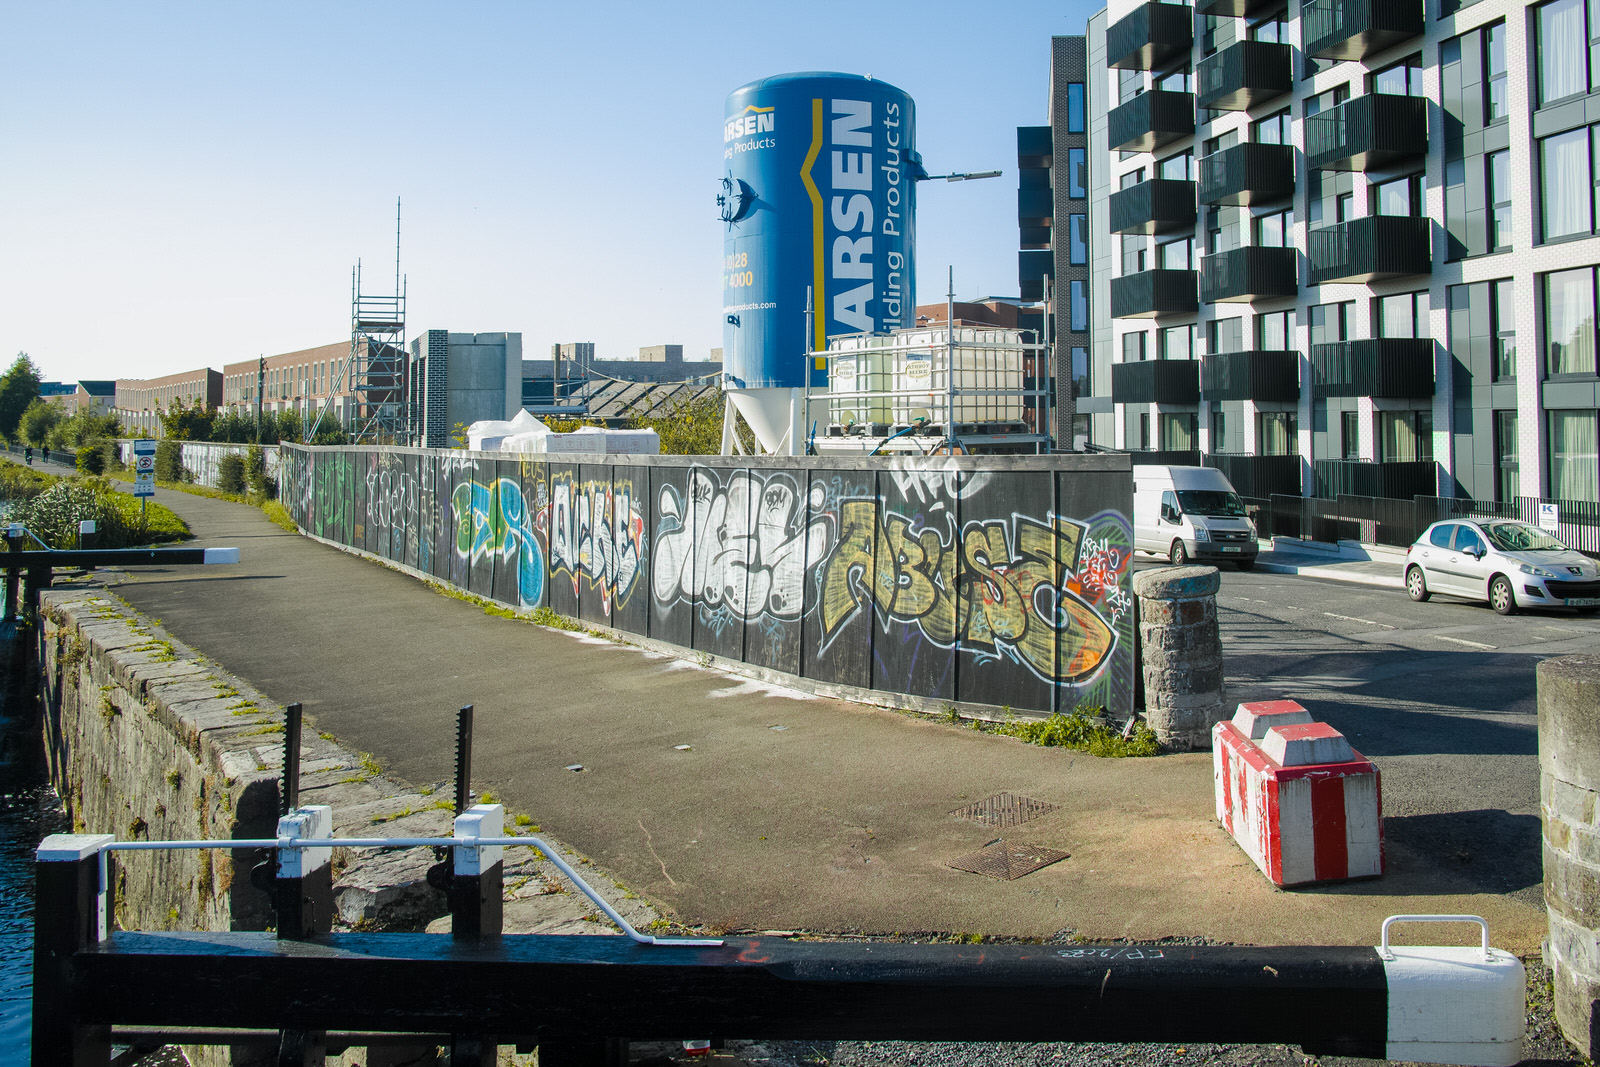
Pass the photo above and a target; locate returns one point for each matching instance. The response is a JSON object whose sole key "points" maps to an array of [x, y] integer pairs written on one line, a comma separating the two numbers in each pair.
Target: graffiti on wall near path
{"points": [[495, 520], [596, 531], [737, 551]]}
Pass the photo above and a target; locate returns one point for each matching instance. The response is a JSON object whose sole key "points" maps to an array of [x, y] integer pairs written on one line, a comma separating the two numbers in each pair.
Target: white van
{"points": [[1191, 514]]}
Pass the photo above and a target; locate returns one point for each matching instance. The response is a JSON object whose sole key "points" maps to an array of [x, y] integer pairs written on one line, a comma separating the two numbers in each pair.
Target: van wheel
{"points": [[1179, 555], [1247, 564]]}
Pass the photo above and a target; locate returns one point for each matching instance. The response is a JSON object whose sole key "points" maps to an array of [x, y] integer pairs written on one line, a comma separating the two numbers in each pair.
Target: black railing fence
{"points": [[1398, 522]]}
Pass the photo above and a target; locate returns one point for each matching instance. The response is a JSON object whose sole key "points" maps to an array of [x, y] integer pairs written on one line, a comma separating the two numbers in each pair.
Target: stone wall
{"points": [[1180, 654]]}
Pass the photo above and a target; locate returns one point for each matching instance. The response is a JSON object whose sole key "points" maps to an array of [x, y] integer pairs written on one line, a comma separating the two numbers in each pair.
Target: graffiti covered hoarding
{"points": [[992, 580]]}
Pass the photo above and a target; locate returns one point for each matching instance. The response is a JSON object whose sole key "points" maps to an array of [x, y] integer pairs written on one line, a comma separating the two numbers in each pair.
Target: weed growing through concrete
{"points": [[1084, 730]]}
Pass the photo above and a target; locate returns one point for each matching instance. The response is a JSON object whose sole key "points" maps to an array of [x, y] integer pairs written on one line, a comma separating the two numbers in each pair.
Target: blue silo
{"points": [[820, 191]]}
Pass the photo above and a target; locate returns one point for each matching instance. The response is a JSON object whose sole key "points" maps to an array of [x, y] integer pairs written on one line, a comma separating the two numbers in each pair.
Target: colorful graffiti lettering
{"points": [[597, 531], [495, 520], [1002, 592], [737, 551]]}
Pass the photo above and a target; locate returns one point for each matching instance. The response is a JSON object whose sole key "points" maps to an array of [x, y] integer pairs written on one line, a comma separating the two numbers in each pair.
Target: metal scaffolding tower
{"points": [[376, 369]]}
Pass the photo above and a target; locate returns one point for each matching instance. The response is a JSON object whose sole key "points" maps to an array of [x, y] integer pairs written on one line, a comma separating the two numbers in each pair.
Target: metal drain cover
{"points": [[1005, 809], [1008, 861]]}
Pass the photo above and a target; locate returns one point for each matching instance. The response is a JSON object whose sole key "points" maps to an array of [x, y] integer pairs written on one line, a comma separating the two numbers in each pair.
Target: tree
{"points": [[38, 421], [19, 387], [192, 423]]}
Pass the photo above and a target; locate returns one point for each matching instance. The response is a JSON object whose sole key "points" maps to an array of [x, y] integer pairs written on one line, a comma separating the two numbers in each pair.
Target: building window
{"points": [[1495, 105], [1219, 429], [1349, 435], [1176, 255], [1133, 347], [1567, 187], [1574, 464], [1225, 335], [1077, 173], [1407, 436], [1275, 230], [1327, 101], [1078, 292], [1569, 322], [1178, 81], [1402, 79], [1499, 200], [1177, 342], [1130, 179], [1274, 129], [1275, 331], [1177, 168], [1565, 49], [1075, 109], [1271, 31], [1213, 145], [1277, 433], [1130, 83], [1142, 438], [1178, 431], [1504, 311], [1403, 315], [1330, 322], [1078, 240], [1507, 482], [1133, 250], [1402, 196], [1080, 371]]}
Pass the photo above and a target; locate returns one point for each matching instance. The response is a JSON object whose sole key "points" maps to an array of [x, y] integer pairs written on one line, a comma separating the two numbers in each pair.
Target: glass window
{"points": [[1442, 536], [1133, 249], [1277, 433], [1403, 315], [1349, 435], [1079, 303], [1402, 79], [1505, 330], [1274, 129], [1330, 322], [1507, 480], [1275, 331], [1130, 179], [1177, 431], [1499, 164], [1574, 465], [1219, 429], [1566, 192], [1569, 321], [1179, 167], [1177, 342], [1407, 436], [1275, 230], [1133, 347], [1077, 174], [1075, 109], [1225, 335], [1078, 239], [1179, 81], [1176, 255], [1495, 105], [1216, 144], [1316, 105], [1563, 57], [1080, 371], [1130, 83], [1271, 31], [1402, 196]]}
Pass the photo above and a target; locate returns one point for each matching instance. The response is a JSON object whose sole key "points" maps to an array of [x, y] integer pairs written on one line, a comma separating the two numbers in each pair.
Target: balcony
{"points": [[1368, 133], [1244, 74], [1160, 205], [1156, 381], [1151, 120], [1364, 250], [1033, 267], [1360, 477], [1034, 147], [1233, 9], [1154, 292], [1259, 477], [1034, 205], [1398, 368], [1247, 174], [1355, 29], [1255, 375], [1152, 36], [1250, 273]]}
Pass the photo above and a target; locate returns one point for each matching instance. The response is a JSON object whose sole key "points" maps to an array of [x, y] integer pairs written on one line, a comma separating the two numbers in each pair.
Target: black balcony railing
{"points": [[1150, 120], [1156, 381], [1368, 133], [1386, 367], [1247, 174], [1258, 476], [1157, 206], [1354, 29], [1154, 292], [1034, 146], [1034, 205], [1244, 74], [1364, 250], [1250, 273], [1359, 477], [1256, 375], [1165, 457], [1233, 8], [1033, 267], [1150, 37]]}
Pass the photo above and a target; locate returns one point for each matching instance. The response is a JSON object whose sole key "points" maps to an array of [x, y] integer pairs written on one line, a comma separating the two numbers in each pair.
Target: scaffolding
{"points": [[381, 411]]}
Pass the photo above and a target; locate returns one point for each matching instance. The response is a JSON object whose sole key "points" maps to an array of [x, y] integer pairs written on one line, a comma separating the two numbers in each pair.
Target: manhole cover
{"points": [[1005, 809], [1008, 861]]}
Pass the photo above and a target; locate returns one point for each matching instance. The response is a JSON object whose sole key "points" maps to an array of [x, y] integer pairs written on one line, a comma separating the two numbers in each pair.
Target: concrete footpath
{"points": [[784, 811]]}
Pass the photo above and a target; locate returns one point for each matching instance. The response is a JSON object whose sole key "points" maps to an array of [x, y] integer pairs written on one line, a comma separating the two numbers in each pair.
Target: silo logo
{"points": [[751, 121]]}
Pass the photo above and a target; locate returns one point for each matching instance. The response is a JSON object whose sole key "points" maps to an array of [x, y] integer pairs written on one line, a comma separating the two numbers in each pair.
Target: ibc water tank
{"points": [[820, 192]]}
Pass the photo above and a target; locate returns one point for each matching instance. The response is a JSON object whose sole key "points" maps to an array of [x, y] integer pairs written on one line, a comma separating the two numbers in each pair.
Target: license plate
{"points": [[1232, 548], [1583, 602]]}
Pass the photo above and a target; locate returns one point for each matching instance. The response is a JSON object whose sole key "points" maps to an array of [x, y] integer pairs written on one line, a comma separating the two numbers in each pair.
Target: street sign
{"points": [[144, 467], [1549, 517], [144, 483]]}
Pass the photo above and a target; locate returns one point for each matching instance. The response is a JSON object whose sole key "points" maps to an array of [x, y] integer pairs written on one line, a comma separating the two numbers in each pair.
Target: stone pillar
{"points": [[1569, 784], [1180, 653]]}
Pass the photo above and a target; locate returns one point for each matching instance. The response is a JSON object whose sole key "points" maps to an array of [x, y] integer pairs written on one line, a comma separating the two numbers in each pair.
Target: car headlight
{"points": [[1201, 534], [1537, 572]]}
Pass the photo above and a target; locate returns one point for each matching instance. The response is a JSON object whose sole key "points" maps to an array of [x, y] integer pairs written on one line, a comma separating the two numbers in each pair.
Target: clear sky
{"points": [[190, 184]]}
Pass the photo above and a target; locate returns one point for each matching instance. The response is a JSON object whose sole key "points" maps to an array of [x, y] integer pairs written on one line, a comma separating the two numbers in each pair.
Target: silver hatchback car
{"points": [[1510, 564]]}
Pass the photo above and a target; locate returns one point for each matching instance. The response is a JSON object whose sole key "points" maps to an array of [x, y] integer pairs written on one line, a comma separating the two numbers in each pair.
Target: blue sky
{"points": [[189, 184]]}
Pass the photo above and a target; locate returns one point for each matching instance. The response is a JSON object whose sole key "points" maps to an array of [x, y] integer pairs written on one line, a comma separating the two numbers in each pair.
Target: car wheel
{"points": [[1501, 598], [1417, 585], [1247, 564], [1179, 555]]}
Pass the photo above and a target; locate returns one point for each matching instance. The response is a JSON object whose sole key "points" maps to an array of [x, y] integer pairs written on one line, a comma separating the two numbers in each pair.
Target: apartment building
{"points": [[139, 402], [1349, 246]]}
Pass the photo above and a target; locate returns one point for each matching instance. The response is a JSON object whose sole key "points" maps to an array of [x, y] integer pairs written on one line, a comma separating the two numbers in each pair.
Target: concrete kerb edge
{"points": [[226, 749], [909, 702]]}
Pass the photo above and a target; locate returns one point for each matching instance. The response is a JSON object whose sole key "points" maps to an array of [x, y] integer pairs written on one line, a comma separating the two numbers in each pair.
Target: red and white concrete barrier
{"points": [[1303, 804]]}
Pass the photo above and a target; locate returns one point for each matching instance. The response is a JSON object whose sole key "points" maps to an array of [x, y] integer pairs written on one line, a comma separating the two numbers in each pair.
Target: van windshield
{"points": [[1211, 502]]}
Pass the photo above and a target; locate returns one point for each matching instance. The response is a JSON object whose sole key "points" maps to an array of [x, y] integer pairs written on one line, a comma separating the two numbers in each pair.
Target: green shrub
{"points": [[51, 508], [1085, 731], [230, 473], [111, 449], [261, 484], [169, 461], [91, 459]]}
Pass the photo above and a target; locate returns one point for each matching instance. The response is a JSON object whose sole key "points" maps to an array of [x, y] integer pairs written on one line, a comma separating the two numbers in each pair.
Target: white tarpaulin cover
{"points": [[527, 434]]}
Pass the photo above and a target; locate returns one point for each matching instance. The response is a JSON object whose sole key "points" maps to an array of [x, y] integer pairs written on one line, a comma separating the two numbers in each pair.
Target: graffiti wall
{"points": [[994, 580]]}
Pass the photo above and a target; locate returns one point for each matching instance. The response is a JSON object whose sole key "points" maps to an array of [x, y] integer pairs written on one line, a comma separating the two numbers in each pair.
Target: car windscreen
{"points": [[1520, 537], [1210, 502]]}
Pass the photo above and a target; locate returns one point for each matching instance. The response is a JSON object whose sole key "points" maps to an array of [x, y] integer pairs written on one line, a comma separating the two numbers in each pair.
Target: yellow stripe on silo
{"points": [[819, 319]]}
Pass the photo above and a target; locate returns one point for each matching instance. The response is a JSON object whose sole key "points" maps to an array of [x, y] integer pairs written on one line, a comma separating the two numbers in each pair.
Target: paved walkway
{"points": [[786, 811]]}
